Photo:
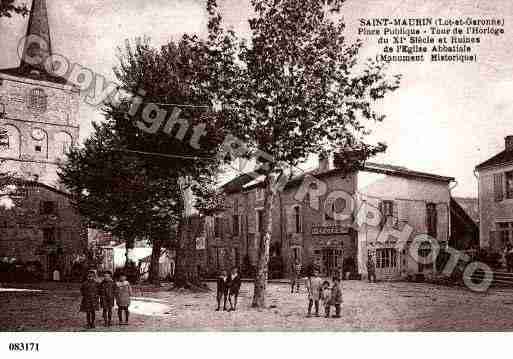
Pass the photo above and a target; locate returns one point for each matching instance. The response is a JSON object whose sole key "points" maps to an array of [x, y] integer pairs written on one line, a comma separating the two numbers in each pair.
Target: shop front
{"points": [[333, 248]]}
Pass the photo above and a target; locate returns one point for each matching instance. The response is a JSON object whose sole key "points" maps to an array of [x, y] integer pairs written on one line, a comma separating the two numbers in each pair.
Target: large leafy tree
{"points": [[132, 175], [295, 88], [119, 192], [9, 7]]}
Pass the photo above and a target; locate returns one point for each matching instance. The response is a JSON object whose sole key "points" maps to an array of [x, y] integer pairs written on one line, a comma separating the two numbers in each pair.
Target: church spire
{"points": [[37, 41]]}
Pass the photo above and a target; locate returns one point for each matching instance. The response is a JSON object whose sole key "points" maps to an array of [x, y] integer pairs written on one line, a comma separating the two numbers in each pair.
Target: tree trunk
{"points": [[186, 270], [129, 246], [263, 252], [154, 276], [131, 270]]}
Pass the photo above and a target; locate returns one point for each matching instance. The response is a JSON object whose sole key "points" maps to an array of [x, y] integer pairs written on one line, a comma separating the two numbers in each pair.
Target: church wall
{"points": [[42, 121]]}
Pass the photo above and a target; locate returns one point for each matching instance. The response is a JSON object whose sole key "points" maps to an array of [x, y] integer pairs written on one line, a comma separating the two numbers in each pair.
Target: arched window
{"points": [[63, 142], [37, 100], [11, 142]]}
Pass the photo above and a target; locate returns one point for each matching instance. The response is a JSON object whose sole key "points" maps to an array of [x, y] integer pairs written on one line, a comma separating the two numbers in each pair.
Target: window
{"points": [[217, 227], [48, 235], [37, 148], [509, 185], [388, 210], [48, 207], [296, 254], [431, 219], [297, 219], [37, 100], [260, 220], [505, 230], [260, 194], [386, 258], [236, 206], [497, 187], [4, 139], [235, 224], [329, 213]]}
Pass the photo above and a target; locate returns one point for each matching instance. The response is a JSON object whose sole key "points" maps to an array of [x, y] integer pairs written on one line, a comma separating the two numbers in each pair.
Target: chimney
{"points": [[509, 143], [324, 162]]}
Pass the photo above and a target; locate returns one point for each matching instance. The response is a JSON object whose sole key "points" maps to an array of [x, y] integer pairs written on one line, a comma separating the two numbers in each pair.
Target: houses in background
{"points": [[303, 230], [411, 203], [42, 227], [113, 254], [496, 199]]}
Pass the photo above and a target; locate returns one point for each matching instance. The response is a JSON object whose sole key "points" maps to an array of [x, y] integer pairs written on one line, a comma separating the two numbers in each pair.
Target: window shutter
{"points": [[395, 213], [498, 187], [402, 209], [226, 230], [289, 214], [442, 222], [380, 208]]}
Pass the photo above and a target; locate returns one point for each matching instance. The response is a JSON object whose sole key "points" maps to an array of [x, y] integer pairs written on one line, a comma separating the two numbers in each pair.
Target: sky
{"points": [[444, 119]]}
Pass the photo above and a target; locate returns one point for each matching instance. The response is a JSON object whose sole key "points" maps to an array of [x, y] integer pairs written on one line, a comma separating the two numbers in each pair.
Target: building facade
{"points": [[40, 114], [411, 203], [38, 110], [305, 226], [302, 229], [496, 199], [42, 227]]}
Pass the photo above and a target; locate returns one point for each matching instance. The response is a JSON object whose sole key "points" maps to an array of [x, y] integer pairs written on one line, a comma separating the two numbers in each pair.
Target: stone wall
{"points": [[25, 227], [42, 122]]}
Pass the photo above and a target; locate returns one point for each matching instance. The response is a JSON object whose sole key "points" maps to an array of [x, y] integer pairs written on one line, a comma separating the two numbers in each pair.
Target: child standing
{"points": [[314, 292], [90, 301], [108, 291], [234, 283], [336, 296], [326, 297], [222, 290], [123, 294]]}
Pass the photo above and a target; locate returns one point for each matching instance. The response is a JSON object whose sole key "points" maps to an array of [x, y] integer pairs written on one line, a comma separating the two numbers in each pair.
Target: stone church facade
{"points": [[40, 113]]}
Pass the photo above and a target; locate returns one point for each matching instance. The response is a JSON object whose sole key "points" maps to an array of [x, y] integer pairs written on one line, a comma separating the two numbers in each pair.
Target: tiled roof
{"points": [[502, 158], [246, 181], [404, 172]]}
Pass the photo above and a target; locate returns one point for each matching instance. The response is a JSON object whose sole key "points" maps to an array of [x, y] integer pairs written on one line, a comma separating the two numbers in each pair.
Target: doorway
{"points": [[331, 262]]}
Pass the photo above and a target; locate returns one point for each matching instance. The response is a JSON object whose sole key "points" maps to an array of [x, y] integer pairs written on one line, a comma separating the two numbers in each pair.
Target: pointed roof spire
{"points": [[38, 44]]}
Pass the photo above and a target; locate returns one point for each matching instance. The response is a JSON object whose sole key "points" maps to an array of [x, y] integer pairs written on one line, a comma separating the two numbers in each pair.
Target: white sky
{"points": [[445, 118]]}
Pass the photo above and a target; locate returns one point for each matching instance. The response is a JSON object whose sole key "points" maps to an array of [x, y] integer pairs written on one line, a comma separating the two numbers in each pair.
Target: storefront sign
{"points": [[325, 230]]}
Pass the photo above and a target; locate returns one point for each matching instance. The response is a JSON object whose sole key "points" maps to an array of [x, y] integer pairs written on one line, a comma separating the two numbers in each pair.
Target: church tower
{"points": [[38, 110]]}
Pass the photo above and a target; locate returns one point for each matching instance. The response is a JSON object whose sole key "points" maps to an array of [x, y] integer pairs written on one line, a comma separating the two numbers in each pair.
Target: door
{"points": [[331, 262], [387, 262]]}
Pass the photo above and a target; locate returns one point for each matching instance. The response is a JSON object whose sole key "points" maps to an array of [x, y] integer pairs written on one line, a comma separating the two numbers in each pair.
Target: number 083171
{"points": [[24, 347]]}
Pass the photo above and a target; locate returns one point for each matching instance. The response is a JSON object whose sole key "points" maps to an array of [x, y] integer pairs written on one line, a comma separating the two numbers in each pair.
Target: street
{"points": [[367, 307]]}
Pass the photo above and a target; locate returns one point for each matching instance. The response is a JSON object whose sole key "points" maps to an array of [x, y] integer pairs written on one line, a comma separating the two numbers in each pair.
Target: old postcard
{"points": [[255, 165]]}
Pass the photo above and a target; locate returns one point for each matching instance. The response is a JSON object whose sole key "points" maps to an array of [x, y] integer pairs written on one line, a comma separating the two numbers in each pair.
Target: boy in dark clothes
{"points": [[90, 301], [336, 296], [108, 290], [222, 290], [234, 282]]}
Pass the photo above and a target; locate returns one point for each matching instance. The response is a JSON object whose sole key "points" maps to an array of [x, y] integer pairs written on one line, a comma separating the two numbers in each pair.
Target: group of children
{"points": [[228, 289], [104, 294], [319, 291]]}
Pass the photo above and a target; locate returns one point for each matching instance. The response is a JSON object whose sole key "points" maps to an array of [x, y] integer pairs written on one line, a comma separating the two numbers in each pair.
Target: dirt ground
{"points": [[366, 307]]}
